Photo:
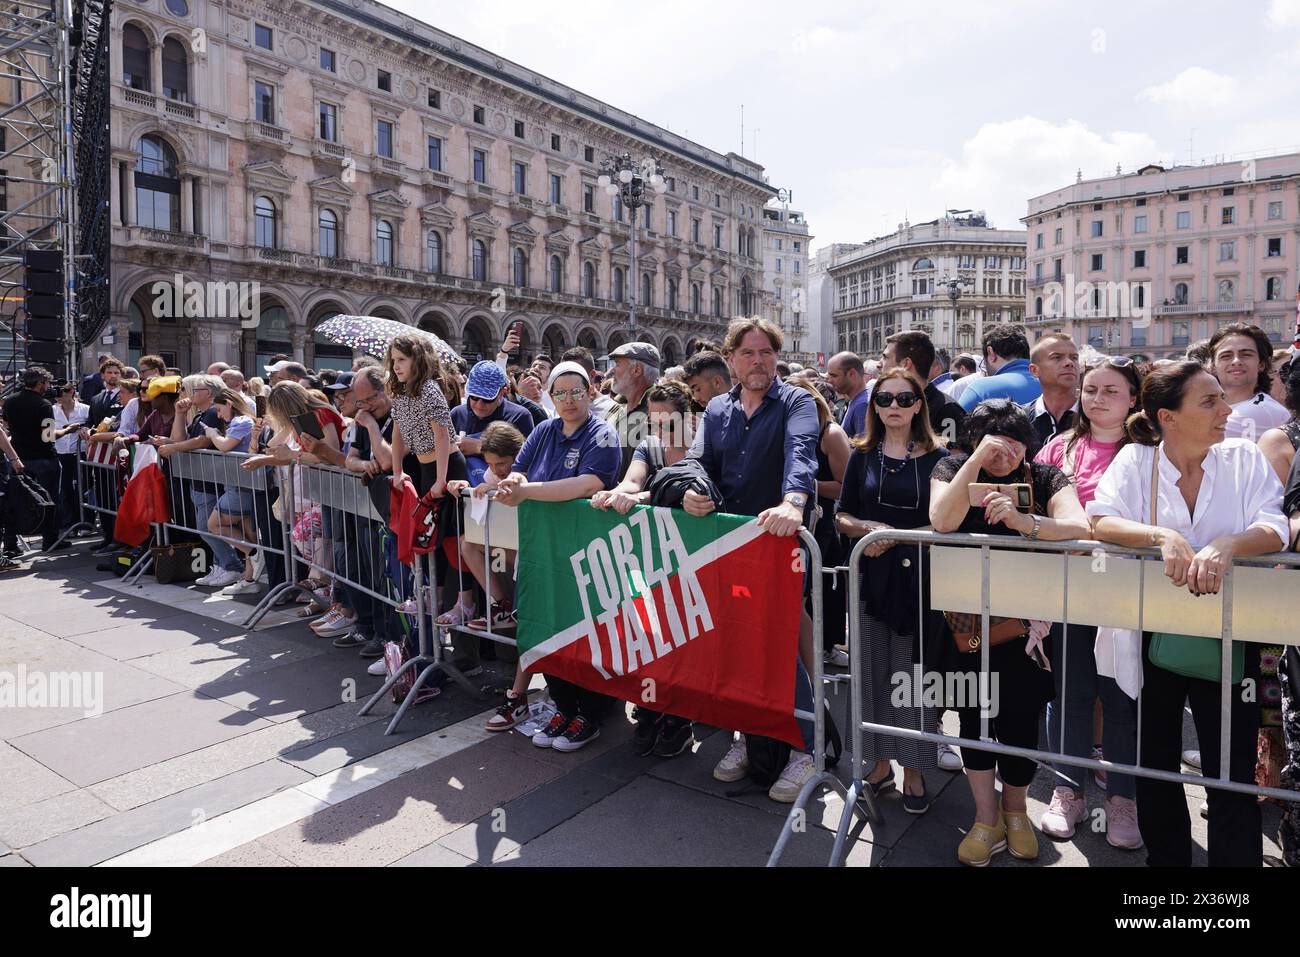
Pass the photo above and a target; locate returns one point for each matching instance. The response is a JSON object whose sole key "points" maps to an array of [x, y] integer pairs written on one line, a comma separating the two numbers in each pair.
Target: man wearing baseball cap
{"points": [[485, 403], [635, 369]]}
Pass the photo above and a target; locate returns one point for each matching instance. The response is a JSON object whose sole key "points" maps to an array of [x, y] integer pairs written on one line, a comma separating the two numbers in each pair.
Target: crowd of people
{"points": [[1196, 458]]}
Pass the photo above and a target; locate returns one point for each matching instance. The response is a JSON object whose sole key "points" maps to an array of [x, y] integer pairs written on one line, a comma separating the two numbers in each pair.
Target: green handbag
{"points": [[1191, 656]]}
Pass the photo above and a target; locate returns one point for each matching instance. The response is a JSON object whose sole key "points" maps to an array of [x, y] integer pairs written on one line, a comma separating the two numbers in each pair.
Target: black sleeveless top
{"points": [[1291, 428]]}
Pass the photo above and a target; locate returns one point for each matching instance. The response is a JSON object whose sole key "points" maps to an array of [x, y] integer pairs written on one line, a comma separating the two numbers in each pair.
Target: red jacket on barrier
{"points": [[143, 503]]}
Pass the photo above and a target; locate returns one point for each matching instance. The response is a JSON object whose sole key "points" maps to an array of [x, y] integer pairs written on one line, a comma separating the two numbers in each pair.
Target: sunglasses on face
{"points": [[572, 395], [905, 400]]}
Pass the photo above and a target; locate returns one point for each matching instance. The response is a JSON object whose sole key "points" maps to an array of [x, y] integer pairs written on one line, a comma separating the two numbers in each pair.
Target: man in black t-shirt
{"points": [[30, 419]]}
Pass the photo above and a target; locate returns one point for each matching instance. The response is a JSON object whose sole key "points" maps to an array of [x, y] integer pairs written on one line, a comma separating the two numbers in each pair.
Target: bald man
{"points": [[848, 376]]}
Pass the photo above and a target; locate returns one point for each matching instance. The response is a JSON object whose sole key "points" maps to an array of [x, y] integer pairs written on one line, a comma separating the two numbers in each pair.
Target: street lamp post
{"points": [[954, 287], [619, 175]]}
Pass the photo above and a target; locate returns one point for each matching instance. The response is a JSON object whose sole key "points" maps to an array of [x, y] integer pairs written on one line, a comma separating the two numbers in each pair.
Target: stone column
{"points": [[129, 219], [115, 174], [187, 203]]}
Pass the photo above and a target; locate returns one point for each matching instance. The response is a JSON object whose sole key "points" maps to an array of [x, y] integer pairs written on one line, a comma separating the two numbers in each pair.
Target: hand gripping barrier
{"points": [[1099, 585]]}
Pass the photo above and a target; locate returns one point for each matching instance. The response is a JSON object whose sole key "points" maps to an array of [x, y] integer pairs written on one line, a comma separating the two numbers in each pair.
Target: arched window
{"points": [[589, 280], [672, 294], [555, 278], [157, 186], [175, 71], [521, 267], [1226, 289], [272, 333], [327, 354], [695, 297], [264, 222], [135, 58], [329, 233], [384, 243], [746, 298], [479, 259], [922, 263], [1038, 305], [433, 252], [1273, 288], [717, 302], [647, 290], [1180, 294], [619, 293]]}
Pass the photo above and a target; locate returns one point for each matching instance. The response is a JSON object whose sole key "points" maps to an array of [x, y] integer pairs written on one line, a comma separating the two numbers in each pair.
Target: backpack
{"points": [[27, 506], [768, 757]]}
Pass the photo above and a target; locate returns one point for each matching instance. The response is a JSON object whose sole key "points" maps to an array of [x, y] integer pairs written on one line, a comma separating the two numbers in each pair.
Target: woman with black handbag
{"points": [[999, 440], [1203, 500], [887, 485]]}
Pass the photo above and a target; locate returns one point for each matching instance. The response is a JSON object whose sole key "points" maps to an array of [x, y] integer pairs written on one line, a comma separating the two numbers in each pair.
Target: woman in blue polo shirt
{"points": [[571, 456]]}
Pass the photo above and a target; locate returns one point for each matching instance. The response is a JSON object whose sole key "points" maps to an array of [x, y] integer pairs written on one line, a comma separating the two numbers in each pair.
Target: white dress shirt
{"points": [[1239, 491], [68, 444]]}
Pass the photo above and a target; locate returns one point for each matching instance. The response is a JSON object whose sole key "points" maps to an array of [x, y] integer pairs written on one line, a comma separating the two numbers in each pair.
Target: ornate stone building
{"points": [[898, 282], [349, 159], [785, 266]]}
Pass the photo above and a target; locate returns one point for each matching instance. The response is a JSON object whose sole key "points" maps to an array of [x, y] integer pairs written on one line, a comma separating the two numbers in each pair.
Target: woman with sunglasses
{"points": [[997, 438], [887, 485], [1108, 396]]}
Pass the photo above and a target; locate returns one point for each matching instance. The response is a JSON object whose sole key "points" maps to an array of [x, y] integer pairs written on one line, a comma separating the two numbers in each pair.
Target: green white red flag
{"points": [[696, 617]]}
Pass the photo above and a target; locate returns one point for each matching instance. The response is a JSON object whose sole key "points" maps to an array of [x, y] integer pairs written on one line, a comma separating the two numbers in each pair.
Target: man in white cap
{"points": [[635, 370]]}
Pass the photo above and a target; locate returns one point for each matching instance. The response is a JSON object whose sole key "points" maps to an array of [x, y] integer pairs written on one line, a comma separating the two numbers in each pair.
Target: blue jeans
{"points": [[223, 554], [1078, 665]]}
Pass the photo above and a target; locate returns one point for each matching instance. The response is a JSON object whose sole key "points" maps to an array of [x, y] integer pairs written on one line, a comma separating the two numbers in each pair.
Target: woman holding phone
{"points": [[995, 489], [233, 516]]}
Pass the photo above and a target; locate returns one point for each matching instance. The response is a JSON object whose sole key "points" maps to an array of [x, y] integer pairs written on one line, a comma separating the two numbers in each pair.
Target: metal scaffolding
{"points": [[36, 201]]}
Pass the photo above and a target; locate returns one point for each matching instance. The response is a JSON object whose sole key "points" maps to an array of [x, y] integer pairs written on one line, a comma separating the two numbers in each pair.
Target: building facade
{"points": [[785, 271], [1147, 263], [821, 296], [904, 281], [349, 159]]}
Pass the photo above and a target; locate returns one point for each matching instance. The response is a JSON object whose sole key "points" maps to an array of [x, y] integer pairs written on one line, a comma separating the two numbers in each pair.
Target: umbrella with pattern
{"points": [[372, 335]]}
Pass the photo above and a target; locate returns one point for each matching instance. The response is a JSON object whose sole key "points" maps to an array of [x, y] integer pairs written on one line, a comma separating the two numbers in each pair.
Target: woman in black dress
{"points": [[887, 485]]}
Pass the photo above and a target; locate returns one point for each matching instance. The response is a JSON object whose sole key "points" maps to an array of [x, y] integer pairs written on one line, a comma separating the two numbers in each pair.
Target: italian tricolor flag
{"points": [[696, 617]]}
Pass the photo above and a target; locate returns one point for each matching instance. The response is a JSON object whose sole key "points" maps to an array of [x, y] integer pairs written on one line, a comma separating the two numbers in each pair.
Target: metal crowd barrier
{"points": [[349, 519], [1125, 591], [196, 470]]}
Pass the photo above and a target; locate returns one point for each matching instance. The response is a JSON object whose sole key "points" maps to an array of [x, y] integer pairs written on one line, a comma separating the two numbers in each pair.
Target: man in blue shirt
{"points": [[1006, 369], [758, 444], [485, 403], [571, 456], [847, 375]]}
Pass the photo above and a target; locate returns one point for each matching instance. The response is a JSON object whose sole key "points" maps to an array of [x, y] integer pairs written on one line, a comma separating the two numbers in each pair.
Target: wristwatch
{"points": [[797, 499], [1033, 533]]}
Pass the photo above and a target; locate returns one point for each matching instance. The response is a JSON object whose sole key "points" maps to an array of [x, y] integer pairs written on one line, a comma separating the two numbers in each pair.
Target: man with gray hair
{"points": [[635, 370]]}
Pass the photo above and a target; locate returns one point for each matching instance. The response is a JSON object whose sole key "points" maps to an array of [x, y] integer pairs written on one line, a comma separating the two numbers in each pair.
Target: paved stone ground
{"points": [[219, 746]]}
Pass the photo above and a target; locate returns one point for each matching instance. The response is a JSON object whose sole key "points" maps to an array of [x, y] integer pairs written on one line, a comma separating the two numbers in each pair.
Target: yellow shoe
{"points": [[981, 843], [1021, 840]]}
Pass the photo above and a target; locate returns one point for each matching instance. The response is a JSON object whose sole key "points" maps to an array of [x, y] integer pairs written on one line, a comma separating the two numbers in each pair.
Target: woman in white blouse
{"points": [[1216, 500]]}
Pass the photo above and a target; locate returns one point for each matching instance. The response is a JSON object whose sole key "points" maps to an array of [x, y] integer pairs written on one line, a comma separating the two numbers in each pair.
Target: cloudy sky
{"points": [[872, 112]]}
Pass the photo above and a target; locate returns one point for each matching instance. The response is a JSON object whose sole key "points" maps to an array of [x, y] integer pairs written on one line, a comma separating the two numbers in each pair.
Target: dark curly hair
{"points": [[1263, 346], [998, 417]]}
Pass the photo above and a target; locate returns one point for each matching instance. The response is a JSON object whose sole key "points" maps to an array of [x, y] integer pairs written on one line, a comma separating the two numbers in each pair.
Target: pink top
{"points": [[1089, 460]]}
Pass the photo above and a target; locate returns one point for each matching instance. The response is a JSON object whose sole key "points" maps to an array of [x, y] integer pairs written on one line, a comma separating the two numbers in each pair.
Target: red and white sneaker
{"points": [[513, 711], [546, 737]]}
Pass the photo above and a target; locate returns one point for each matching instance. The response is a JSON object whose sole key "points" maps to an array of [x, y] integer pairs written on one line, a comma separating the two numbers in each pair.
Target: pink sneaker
{"points": [[1064, 813], [1122, 824]]}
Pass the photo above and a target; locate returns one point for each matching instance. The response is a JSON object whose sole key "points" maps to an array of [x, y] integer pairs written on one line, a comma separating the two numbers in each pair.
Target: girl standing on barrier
{"points": [[887, 485], [997, 437], [422, 425], [1204, 501], [233, 516], [1108, 396]]}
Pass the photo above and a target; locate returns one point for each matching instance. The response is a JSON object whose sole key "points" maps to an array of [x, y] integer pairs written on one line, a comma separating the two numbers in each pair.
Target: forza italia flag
{"points": [[696, 617]]}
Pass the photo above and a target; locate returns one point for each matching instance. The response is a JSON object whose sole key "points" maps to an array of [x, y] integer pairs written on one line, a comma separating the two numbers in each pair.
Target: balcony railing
{"points": [[177, 108], [385, 165], [169, 238], [140, 98], [432, 177], [1204, 306], [331, 149], [272, 254]]}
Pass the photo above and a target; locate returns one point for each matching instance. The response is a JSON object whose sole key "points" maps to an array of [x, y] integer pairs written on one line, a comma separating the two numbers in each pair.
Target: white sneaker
{"points": [[341, 626], [949, 759], [1063, 814], [377, 667], [206, 580], [242, 587], [221, 578], [326, 620], [1192, 759], [837, 657], [259, 565], [797, 773], [734, 764]]}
